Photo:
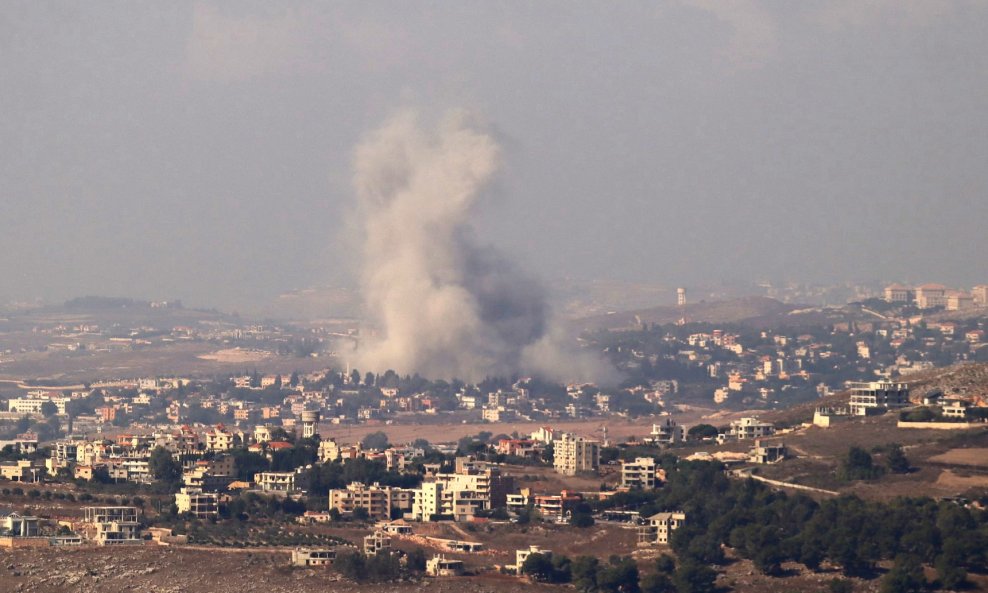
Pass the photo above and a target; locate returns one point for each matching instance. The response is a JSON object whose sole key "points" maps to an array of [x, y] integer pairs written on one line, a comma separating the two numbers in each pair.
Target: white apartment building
{"points": [[275, 481], [876, 397], [32, 405], [113, 525], [746, 428], [573, 455]]}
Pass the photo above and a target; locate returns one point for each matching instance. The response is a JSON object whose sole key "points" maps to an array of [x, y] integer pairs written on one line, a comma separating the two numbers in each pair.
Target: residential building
{"points": [[747, 428], [201, 505], [305, 557], [17, 525], [275, 481], [573, 455], [440, 566], [954, 408], [665, 432], [112, 525], [876, 397], [640, 473], [660, 526], [767, 452], [522, 555], [375, 499]]}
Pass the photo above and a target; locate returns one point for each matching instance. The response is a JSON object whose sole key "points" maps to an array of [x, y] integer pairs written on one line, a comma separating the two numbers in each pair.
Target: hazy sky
{"points": [[203, 150]]}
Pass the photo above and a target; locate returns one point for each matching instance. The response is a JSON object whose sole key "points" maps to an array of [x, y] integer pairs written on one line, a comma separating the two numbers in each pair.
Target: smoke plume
{"points": [[444, 305]]}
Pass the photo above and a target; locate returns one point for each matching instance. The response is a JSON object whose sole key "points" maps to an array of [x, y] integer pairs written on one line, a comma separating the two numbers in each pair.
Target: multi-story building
{"points": [[573, 455], [665, 432], [202, 505], [931, 295], [897, 293], [221, 439], [377, 543], [747, 428], [375, 499], [767, 452], [640, 473], [876, 397], [32, 405], [275, 481], [112, 525], [329, 450], [660, 526], [305, 557], [980, 294]]}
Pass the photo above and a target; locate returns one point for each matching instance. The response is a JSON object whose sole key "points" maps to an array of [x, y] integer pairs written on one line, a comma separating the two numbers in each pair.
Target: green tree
{"points": [[657, 582], [584, 573], [693, 577], [896, 460], [906, 576], [538, 566], [49, 409], [702, 431], [163, 466]]}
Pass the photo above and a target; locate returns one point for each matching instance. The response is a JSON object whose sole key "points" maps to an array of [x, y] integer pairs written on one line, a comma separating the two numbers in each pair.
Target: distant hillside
{"points": [[966, 380], [730, 311]]}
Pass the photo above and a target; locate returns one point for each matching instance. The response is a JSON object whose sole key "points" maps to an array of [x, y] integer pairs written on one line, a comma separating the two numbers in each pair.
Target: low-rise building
{"points": [[659, 528], [112, 525], [746, 428], [377, 543], [522, 555], [280, 482], [767, 452], [440, 566], [305, 557], [202, 505]]}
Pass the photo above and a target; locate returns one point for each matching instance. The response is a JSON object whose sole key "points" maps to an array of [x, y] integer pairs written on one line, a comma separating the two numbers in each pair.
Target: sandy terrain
{"points": [[977, 457]]}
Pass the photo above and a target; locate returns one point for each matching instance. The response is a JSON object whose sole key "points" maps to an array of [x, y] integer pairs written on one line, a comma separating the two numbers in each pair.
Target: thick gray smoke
{"points": [[445, 306]]}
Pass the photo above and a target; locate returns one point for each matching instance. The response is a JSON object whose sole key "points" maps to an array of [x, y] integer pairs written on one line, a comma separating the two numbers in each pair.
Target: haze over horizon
{"points": [[203, 150]]}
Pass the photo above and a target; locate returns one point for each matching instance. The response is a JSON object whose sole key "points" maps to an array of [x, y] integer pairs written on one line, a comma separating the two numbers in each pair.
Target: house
{"points": [[954, 408], [440, 566], [305, 557], [522, 555], [659, 528], [666, 432], [281, 482], [17, 525], [112, 525], [201, 505], [746, 428], [767, 453]]}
